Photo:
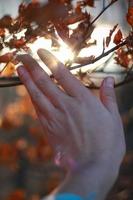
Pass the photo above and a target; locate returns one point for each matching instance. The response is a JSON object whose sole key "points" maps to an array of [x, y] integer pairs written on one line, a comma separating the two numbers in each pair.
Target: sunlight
{"points": [[63, 53]]}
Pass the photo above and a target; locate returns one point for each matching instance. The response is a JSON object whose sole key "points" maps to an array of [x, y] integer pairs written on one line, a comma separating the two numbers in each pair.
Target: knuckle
{"points": [[60, 74], [83, 95], [35, 94], [40, 80]]}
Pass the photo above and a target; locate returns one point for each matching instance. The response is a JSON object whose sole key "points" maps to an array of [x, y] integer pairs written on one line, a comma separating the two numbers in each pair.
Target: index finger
{"points": [[41, 79], [68, 82]]}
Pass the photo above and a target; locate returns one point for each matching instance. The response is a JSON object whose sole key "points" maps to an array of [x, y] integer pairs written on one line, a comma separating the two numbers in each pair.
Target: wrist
{"points": [[97, 177], [101, 164], [108, 170]]}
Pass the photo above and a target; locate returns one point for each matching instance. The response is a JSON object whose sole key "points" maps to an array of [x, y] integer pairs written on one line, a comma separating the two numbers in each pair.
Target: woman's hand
{"points": [[81, 128], [85, 132]]}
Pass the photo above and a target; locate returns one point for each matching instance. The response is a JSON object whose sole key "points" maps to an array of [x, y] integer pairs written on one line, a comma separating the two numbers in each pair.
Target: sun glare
{"points": [[63, 53]]}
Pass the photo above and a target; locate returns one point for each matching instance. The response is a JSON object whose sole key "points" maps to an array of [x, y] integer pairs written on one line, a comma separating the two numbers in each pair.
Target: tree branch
{"points": [[124, 82], [15, 81], [77, 48], [105, 8], [9, 81], [101, 56]]}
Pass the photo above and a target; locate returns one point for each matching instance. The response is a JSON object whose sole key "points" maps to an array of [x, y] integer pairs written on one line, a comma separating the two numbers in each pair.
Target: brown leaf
{"points": [[41, 14], [84, 60], [90, 3], [118, 37], [130, 16], [108, 39], [62, 31], [6, 58], [2, 32], [16, 43], [130, 40], [78, 35], [6, 21]]}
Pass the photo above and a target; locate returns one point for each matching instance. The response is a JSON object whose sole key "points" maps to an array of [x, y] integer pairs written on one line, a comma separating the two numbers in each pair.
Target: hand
{"points": [[81, 128]]}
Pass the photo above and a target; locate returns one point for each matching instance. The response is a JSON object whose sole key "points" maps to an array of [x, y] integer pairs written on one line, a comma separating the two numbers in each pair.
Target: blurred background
{"points": [[27, 170]]}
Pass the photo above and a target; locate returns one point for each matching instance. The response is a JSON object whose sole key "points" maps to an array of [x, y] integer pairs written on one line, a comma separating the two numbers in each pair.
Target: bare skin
{"points": [[85, 132]]}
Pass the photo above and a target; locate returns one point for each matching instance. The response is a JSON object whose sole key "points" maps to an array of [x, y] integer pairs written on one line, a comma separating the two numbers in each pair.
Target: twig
{"points": [[105, 8], [101, 56], [3, 85], [10, 81], [124, 82], [16, 81], [97, 67], [77, 48]]}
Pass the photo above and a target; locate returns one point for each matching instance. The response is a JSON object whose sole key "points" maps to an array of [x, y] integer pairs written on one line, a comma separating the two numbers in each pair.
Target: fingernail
{"points": [[40, 51], [109, 82]]}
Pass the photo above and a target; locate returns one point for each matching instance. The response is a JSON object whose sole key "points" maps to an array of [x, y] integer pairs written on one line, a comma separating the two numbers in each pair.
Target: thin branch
{"points": [[77, 48], [105, 8], [16, 81], [3, 85], [95, 69], [10, 82], [101, 56], [124, 82]]}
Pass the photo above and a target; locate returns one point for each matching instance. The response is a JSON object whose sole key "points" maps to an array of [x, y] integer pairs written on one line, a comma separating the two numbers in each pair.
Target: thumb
{"points": [[107, 95]]}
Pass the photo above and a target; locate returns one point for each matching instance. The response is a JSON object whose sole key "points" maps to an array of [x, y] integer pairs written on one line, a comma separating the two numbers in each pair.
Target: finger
{"points": [[70, 83], [37, 97], [107, 95], [42, 80]]}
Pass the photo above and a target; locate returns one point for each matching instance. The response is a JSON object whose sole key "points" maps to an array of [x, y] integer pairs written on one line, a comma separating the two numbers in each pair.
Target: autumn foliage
{"points": [[52, 20]]}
